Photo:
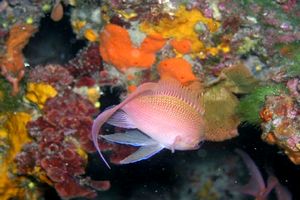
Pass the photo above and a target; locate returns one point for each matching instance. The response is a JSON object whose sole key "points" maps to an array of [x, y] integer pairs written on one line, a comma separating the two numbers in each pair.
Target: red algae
{"points": [[85, 81], [61, 137], [86, 62], [72, 189], [61, 140]]}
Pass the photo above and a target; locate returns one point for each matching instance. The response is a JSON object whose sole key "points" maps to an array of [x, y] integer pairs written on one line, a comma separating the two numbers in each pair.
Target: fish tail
{"points": [[98, 122]]}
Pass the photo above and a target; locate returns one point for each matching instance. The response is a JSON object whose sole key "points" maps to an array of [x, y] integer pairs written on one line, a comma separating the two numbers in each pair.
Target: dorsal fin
{"points": [[171, 87]]}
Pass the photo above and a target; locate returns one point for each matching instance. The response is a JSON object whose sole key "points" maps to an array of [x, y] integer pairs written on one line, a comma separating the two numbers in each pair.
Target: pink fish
{"points": [[256, 187], [157, 115]]}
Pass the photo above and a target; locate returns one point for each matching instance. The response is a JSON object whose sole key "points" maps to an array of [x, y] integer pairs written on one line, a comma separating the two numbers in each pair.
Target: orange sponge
{"points": [[176, 68], [116, 48], [182, 46], [153, 43]]}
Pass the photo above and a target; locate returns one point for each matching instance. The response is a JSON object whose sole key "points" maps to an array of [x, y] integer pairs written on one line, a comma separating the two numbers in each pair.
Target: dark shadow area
{"points": [[159, 172], [54, 42], [269, 158]]}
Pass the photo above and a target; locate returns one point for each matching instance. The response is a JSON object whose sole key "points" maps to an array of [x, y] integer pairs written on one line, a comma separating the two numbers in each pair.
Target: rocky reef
{"points": [[243, 55]]}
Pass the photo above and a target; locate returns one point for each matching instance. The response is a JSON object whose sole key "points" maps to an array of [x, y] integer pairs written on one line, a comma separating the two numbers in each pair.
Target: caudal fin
{"points": [[98, 122]]}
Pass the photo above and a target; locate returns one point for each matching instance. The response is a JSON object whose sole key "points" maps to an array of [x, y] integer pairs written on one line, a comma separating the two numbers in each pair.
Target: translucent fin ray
{"points": [[142, 153], [133, 138], [120, 119]]}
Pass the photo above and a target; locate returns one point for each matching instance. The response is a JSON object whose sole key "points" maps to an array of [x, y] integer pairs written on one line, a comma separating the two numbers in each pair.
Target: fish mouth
{"points": [[187, 146]]}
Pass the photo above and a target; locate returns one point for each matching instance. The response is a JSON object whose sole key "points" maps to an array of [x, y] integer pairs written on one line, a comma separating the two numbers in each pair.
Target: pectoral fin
{"points": [[120, 119], [133, 137], [142, 153]]}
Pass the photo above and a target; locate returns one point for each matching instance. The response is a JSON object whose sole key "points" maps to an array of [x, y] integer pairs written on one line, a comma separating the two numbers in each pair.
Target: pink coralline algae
{"points": [[61, 138], [294, 85], [281, 124], [289, 5], [86, 62], [55, 75]]}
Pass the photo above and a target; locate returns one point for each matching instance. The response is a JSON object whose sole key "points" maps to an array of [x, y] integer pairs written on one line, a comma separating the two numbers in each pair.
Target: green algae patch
{"points": [[294, 68], [250, 105], [8, 102]]}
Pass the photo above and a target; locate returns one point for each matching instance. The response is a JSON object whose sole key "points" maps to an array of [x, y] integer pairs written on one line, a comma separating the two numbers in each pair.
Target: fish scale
{"points": [[172, 88], [166, 113], [169, 104]]}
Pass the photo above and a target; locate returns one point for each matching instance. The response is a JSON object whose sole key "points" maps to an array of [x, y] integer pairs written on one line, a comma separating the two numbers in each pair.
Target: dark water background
{"points": [[55, 43]]}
